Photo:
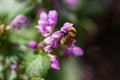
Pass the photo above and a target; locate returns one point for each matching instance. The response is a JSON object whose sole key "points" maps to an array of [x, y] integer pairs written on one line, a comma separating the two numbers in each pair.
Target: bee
{"points": [[69, 36]]}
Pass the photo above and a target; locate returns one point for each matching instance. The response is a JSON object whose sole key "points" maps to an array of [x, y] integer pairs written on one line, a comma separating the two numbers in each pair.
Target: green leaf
{"points": [[24, 35], [12, 75], [39, 66]]}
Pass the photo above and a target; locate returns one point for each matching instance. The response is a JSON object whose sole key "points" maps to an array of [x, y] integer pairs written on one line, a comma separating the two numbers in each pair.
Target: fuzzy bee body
{"points": [[69, 36]]}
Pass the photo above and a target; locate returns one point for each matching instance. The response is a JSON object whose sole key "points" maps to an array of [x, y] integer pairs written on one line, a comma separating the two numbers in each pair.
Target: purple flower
{"points": [[19, 21], [54, 39], [51, 40], [47, 23], [32, 44], [77, 51], [54, 63], [14, 66], [66, 26]]}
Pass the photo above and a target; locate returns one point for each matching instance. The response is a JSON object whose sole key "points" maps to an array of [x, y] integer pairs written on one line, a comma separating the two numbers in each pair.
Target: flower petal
{"points": [[67, 52], [53, 15], [55, 43], [57, 35], [43, 16], [49, 29], [66, 26], [41, 44], [77, 51], [48, 48], [52, 23], [42, 23], [54, 63], [48, 40]]}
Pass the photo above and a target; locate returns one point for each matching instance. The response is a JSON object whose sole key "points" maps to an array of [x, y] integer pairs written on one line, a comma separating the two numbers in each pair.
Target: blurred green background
{"points": [[98, 26]]}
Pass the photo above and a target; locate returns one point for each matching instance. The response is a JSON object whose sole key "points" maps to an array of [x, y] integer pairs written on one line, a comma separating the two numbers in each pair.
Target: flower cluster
{"points": [[45, 26], [47, 23]]}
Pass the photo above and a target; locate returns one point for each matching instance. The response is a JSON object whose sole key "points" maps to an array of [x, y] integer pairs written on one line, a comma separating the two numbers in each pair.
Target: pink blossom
{"points": [[19, 21]]}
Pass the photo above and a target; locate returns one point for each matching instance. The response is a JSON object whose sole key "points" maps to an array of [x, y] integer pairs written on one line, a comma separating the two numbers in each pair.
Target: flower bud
{"points": [[32, 44], [14, 66]]}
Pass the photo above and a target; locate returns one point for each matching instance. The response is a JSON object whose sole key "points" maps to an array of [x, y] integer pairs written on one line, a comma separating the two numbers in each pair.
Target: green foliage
{"points": [[12, 75], [37, 64], [10, 8]]}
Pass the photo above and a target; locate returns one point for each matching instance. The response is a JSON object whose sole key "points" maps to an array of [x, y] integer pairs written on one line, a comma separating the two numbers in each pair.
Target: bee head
{"points": [[71, 32]]}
